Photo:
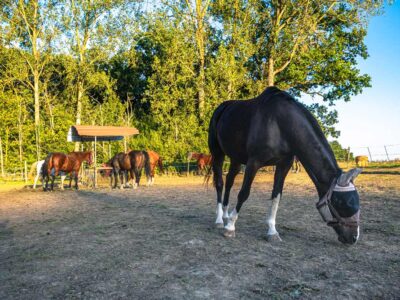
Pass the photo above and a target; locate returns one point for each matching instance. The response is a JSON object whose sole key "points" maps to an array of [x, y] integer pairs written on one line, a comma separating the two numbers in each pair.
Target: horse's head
{"points": [[89, 157], [340, 208]]}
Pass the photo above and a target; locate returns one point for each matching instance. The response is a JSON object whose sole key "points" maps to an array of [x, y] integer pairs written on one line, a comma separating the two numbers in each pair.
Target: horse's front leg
{"points": [[249, 174], [282, 169]]}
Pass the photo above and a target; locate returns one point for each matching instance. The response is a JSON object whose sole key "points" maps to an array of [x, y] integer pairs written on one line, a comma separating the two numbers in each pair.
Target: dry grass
{"points": [[160, 242]]}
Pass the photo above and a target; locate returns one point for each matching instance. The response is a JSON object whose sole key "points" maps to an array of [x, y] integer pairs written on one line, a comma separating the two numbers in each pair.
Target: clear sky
{"points": [[373, 118]]}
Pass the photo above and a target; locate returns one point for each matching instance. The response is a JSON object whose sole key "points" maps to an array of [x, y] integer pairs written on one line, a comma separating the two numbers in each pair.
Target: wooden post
{"points": [[348, 156], [125, 148], [95, 161], [1, 159], [26, 172]]}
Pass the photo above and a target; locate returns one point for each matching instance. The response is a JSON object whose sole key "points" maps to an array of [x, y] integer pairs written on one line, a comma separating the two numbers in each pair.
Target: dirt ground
{"points": [[160, 243]]}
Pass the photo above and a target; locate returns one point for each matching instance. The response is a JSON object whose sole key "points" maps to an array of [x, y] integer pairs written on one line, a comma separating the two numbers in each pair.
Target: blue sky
{"points": [[373, 118]]}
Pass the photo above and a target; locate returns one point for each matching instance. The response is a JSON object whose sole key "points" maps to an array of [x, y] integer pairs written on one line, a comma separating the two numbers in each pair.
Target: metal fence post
{"points": [[370, 156], [387, 155]]}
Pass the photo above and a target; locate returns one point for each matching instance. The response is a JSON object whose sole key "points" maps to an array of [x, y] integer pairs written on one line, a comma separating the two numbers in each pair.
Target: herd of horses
{"points": [[122, 168], [272, 129]]}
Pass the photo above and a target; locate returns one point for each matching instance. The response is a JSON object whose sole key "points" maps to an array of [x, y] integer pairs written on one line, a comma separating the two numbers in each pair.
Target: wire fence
{"points": [[376, 154]]}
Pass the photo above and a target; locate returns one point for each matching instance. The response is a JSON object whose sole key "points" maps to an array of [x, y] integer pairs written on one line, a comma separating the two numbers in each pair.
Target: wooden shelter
{"points": [[91, 133]]}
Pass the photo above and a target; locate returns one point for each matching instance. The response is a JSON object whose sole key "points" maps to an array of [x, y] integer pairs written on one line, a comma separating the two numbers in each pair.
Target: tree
{"points": [[29, 29], [94, 28]]}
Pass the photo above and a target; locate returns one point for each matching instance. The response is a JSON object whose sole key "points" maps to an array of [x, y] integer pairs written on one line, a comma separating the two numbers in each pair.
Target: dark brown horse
{"points": [[270, 130], [155, 160], [132, 162], [203, 161], [66, 163]]}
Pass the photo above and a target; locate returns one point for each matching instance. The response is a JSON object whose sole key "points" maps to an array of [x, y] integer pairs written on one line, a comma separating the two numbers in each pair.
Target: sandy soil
{"points": [[160, 243]]}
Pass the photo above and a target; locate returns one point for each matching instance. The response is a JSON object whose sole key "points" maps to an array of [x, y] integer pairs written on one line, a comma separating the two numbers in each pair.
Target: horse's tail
{"points": [[160, 164], [147, 168], [47, 165], [213, 143], [33, 168]]}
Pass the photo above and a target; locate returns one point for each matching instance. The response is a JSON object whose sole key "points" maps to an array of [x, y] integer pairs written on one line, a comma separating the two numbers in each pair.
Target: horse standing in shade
{"points": [[132, 162], [155, 160], [270, 130], [203, 160], [67, 163]]}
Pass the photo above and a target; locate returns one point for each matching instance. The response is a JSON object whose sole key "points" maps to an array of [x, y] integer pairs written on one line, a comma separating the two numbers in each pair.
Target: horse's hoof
{"points": [[272, 238], [229, 233], [219, 225]]}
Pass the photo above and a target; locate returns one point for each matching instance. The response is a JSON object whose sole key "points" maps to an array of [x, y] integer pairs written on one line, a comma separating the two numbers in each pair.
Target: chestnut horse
{"points": [[203, 160], [134, 162], [67, 163], [155, 160], [270, 130]]}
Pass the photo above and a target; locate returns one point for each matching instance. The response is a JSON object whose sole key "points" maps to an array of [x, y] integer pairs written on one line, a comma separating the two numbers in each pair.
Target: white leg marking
{"points": [[219, 214], [232, 220], [36, 179], [62, 181], [226, 214], [272, 216]]}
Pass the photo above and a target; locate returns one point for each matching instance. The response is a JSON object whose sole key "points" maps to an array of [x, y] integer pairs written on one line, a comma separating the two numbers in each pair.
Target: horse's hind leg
{"points": [[35, 182], [281, 172], [219, 185], [234, 169], [250, 172]]}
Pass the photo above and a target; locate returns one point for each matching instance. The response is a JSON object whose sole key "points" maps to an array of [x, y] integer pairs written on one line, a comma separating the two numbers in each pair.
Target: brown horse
{"points": [[203, 160], [133, 162], [155, 160], [67, 163]]}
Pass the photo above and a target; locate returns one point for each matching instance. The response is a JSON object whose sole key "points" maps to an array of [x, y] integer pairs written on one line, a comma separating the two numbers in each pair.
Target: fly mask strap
{"points": [[323, 204]]}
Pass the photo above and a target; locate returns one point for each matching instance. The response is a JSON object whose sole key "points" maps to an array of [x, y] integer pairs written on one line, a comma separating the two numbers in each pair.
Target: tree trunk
{"points": [[37, 111], [271, 75], [1, 159], [79, 108]]}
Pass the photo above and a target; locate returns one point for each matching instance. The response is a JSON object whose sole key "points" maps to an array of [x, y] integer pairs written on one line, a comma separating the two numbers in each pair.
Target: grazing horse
{"points": [[121, 164], [361, 161], [203, 160], [155, 160], [134, 162], [68, 163], [270, 130]]}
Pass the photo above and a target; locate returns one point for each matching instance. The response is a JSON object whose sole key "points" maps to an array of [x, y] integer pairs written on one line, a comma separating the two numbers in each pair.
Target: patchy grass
{"points": [[160, 242]]}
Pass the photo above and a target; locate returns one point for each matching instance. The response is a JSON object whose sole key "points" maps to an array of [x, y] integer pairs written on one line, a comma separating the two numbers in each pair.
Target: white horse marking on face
{"points": [[271, 217], [232, 220], [219, 219]]}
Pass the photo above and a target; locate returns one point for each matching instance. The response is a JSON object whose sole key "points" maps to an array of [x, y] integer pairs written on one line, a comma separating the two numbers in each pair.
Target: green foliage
{"points": [[131, 66]]}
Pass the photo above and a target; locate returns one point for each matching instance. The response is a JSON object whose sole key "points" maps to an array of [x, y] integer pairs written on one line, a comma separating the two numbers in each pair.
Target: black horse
{"points": [[132, 162], [270, 130]]}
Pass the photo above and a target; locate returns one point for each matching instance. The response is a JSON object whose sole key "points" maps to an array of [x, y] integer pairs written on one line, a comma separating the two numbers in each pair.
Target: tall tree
{"points": [[30, 29], [95, 29]]}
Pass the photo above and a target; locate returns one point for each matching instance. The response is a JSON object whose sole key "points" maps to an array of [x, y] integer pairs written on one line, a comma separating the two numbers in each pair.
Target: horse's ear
{"points": [[348, 177]]}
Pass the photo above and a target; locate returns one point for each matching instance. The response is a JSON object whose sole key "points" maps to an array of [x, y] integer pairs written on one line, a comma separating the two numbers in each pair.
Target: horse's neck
{"points": [[79, 156], [321, 166]]}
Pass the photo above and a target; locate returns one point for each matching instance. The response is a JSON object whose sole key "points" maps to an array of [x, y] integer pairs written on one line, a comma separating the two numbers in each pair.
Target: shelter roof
{"points": [[87, 133]]}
